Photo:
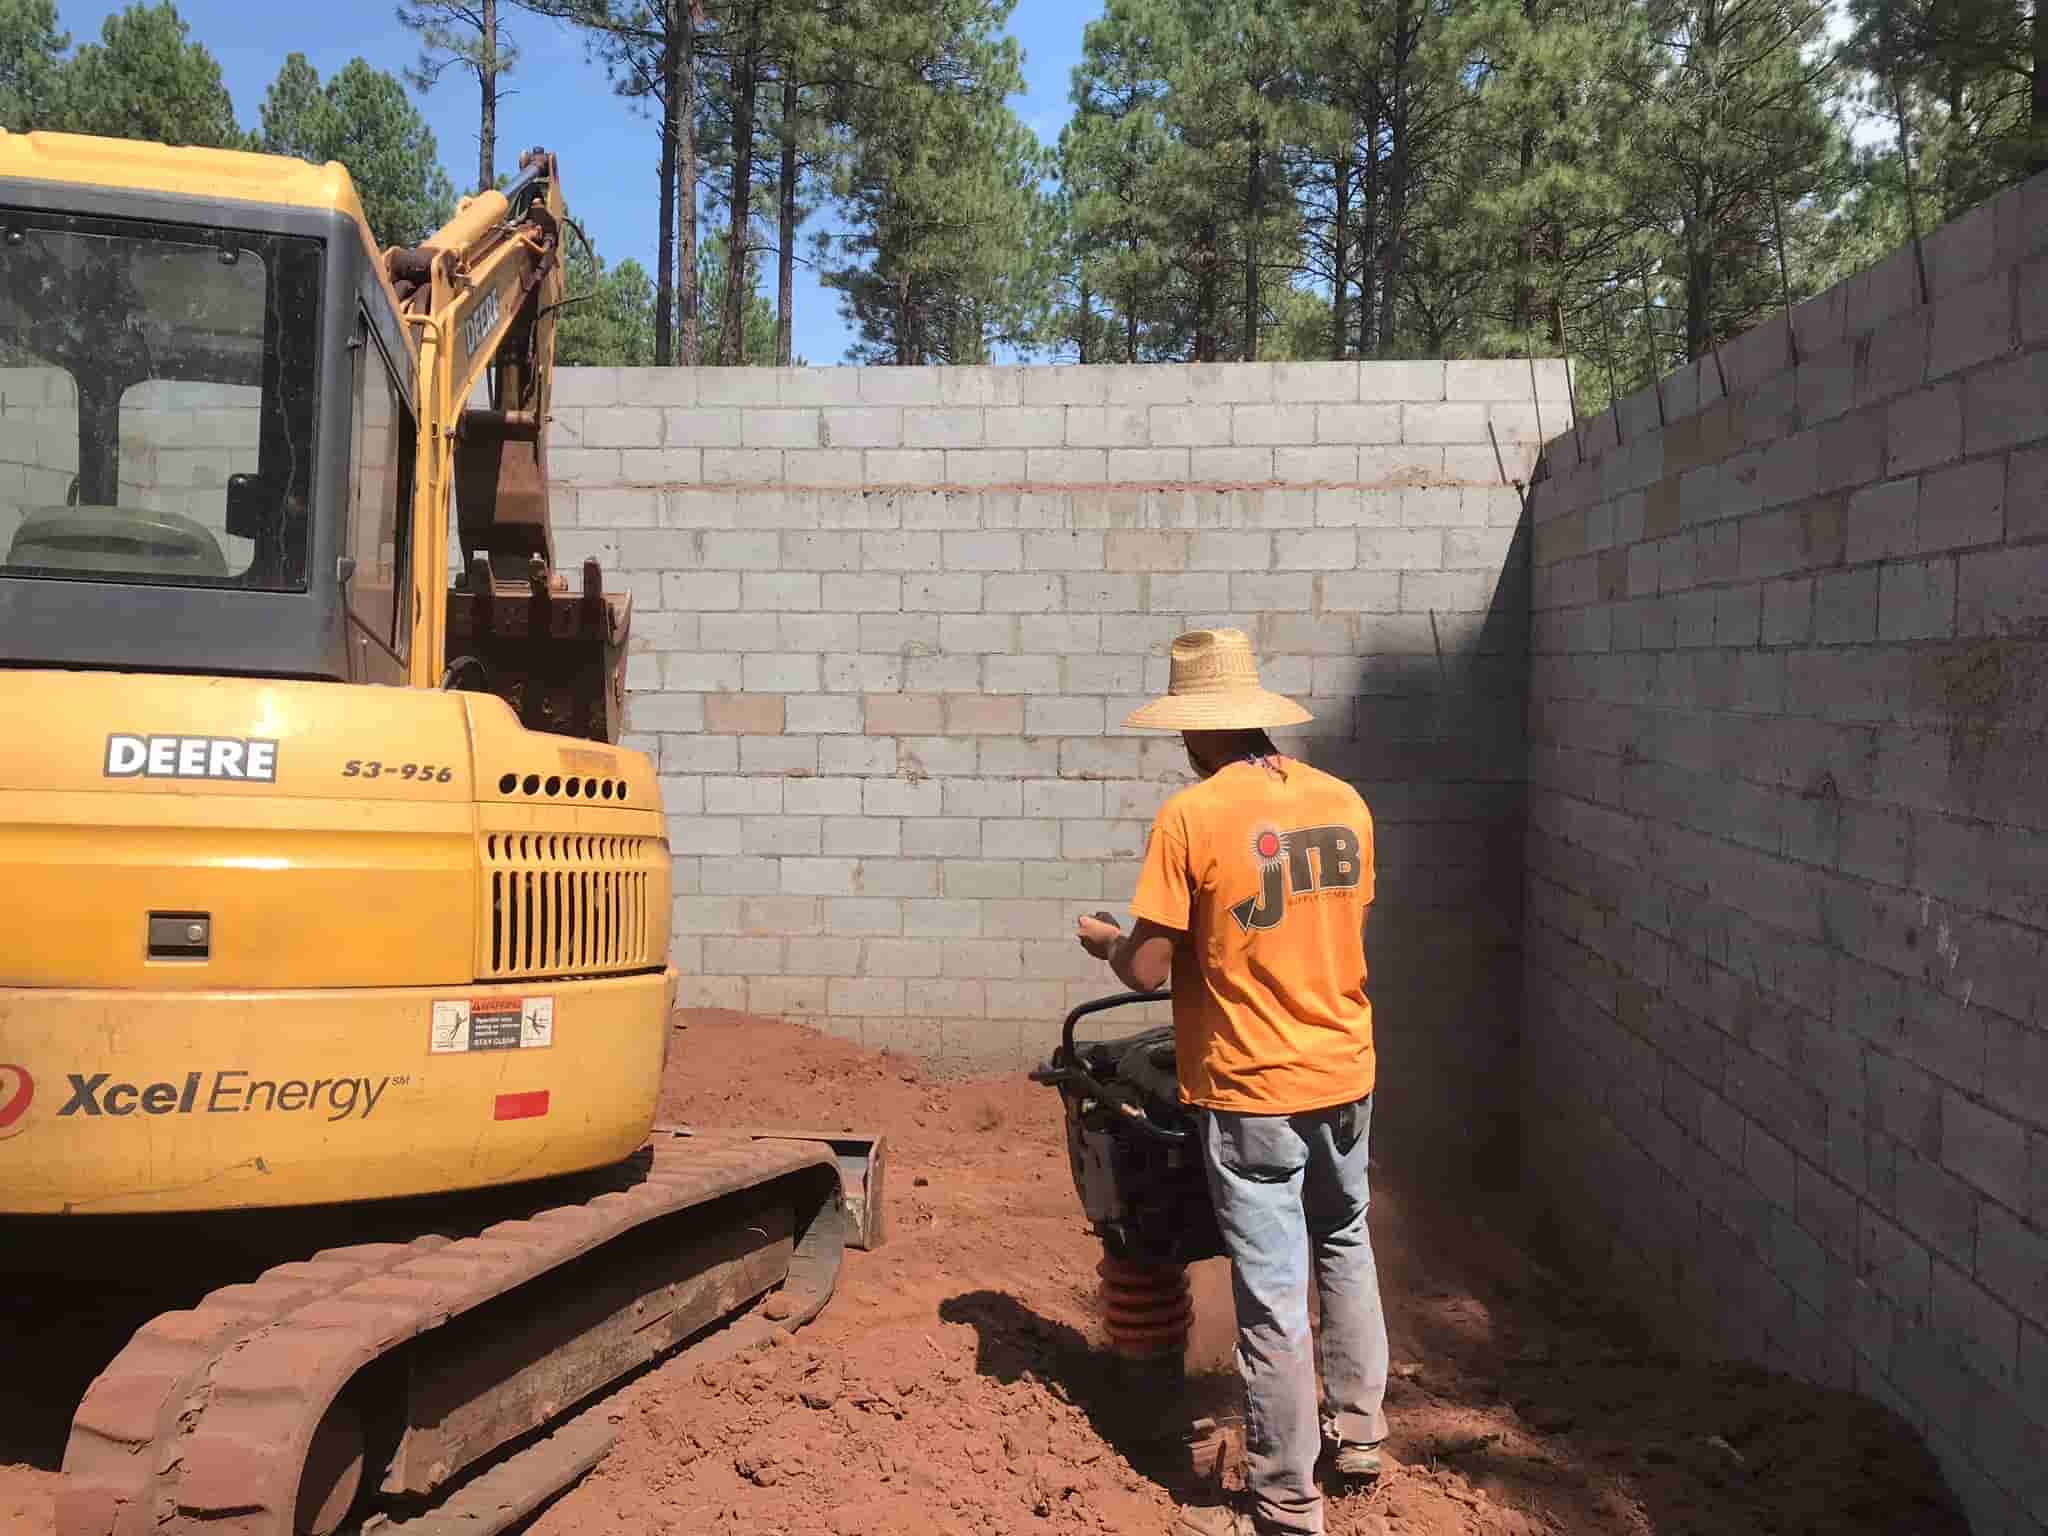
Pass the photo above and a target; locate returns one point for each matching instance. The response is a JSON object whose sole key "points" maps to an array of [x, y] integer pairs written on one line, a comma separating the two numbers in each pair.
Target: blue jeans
{"points": [[1285, 1186]]}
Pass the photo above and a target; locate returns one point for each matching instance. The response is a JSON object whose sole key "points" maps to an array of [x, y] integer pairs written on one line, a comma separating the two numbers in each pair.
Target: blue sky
{"points": [[608, 150]]}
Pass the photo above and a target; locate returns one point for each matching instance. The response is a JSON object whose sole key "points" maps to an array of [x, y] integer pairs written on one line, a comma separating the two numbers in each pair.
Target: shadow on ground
{"points": [[1143, 1412]]}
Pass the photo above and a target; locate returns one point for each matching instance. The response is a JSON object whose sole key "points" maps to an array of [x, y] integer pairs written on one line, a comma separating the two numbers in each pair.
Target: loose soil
{"points": [[959, 1382]]}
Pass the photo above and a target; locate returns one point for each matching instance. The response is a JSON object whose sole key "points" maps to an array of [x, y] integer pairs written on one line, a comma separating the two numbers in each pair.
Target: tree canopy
{"points": [[31, 65], [1629, 181], [147, 79], [607, 319], [362, 118]]}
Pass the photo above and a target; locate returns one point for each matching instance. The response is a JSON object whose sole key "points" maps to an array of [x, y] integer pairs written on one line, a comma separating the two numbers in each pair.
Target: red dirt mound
{"points": [[958, 1382]]}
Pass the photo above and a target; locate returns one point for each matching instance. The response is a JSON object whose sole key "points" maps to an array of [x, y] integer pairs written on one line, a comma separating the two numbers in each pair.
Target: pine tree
{"points": [[649, 48], [1385, 89], [1267, 54], [774, 70], [445, 29], [362, 118], [947, 243], [740, 58], [1328, 173], [1735, 131], [1540, 162], [1184, 179], [31, 65], [1108, 153], [147, 79], [291, 112], [799, 134], [1971, 78], [1200, 183], [755, 345], [607, 319]]}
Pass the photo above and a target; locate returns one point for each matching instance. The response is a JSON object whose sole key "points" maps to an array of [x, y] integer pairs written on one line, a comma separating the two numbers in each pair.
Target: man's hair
{"points": [[1222, 746]]}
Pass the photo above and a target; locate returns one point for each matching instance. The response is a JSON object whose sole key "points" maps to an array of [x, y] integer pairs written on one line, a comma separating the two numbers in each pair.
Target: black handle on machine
{"points": [[1099, 1005], [1068, 1065]]}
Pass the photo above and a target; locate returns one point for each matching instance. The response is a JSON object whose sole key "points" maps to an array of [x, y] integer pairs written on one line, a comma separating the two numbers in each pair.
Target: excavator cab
{"points": [[209, 446], [206, 437]]}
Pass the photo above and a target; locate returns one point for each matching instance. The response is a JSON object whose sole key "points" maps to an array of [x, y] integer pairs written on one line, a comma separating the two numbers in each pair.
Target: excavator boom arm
{"points": [[481, 294]]}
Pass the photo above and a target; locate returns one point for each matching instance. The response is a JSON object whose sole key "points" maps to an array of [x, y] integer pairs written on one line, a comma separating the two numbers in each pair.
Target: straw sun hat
{"points": [[1214, 686]]}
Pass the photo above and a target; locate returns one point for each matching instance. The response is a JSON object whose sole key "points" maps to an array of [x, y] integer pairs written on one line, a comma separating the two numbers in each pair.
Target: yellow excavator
{"points": [[333, 918]]}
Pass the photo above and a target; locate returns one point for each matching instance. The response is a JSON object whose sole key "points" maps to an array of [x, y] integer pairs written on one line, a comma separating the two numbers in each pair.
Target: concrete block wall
{"points": [[1785, 1054], [180, 441], [888, 622]]}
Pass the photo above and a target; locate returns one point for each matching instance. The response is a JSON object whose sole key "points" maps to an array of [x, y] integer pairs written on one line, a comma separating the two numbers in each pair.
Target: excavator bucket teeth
{"points": [[558, 658], [863, 1164]]}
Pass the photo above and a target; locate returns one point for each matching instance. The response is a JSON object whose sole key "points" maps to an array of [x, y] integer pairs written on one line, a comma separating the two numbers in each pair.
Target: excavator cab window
{"points": [[381, 470], [157, 392]]}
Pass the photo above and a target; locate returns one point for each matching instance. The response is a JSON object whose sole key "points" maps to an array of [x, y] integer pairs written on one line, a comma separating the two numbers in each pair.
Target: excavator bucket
{"points": [[863, 1162], [514, 628], [501, 484], [558, 658]]}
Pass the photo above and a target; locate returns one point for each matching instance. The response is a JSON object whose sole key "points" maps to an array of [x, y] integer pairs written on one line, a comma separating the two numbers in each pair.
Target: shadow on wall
{"points": [[1438, 748]]}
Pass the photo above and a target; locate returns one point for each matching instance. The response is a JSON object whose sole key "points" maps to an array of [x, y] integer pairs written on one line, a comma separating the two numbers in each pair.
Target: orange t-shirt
{"points": [[1268, 876]]}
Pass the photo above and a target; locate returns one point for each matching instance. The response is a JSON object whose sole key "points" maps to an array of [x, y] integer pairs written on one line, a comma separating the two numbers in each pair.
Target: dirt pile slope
{"points": [[958, 1382]]}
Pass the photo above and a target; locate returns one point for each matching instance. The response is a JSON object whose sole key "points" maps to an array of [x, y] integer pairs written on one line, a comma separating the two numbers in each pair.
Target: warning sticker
{"points": [[492, 1024]]}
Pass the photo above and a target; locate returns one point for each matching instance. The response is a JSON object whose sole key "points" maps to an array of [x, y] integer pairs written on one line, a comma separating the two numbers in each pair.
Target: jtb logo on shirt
{"points": [[1288, 870]]}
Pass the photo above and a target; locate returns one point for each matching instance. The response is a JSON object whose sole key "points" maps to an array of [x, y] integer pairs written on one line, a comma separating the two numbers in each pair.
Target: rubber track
{"points": [[203, 1421]]}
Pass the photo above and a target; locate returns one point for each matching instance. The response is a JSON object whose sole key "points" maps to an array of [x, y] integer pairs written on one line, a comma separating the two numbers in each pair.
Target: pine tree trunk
{"points": [[682, 89], [1699, 320], [1397, 204], [2037, 151], [1525, 248], [906, 346], [785, 231], [1397, 172], [1340, 230], [732, 340], [1205, 292], [1953, 200], [1369, 240], [665, 253], [1082, 328], [487, 84], [1699, 290], [1254, 197], [1523, 317], [1554, 310], [1701, 236], [1131, 325]]}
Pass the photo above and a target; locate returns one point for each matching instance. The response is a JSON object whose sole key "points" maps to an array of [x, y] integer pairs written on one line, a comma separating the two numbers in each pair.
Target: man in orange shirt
{"points": [[1253, 897]]}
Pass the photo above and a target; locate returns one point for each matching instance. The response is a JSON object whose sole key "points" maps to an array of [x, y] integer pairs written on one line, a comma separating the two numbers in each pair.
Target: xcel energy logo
{"points": [[225, 1092], [17, 1092]]}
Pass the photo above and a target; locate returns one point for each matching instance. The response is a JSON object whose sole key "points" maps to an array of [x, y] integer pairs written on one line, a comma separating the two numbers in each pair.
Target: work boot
{"points": [[1359, 1460], [1217, 1520]]}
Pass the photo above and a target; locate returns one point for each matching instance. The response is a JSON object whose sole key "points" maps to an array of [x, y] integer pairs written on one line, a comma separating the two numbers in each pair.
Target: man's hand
{"points": [[1143, 962], [1098, 934]]}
